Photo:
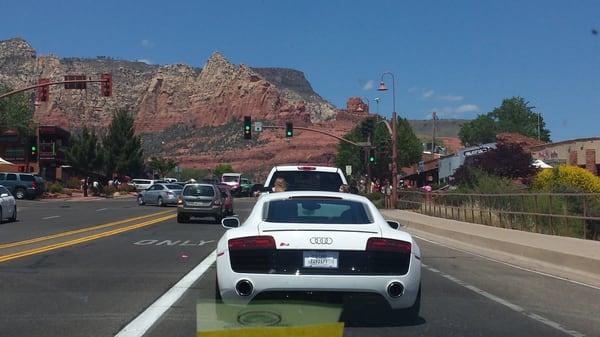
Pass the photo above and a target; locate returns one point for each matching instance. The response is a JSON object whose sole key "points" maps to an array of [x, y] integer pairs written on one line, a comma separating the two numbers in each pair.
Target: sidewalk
{"points": [[567, 257], [80, 197]]}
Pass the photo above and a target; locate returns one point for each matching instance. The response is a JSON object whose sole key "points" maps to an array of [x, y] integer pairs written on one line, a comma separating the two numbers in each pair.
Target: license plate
{"points": [[316, 259], [197, 203]]}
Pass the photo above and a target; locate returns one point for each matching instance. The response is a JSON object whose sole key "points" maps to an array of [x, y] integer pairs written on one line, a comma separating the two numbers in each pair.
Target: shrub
{"points": [[566, 178], [73, 183], [55, 188], [374, 196], [109, 190]]}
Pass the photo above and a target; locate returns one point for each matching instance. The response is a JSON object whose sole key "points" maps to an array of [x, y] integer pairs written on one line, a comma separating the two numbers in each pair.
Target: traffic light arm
{"points": [[317, 131], [48, 84]]}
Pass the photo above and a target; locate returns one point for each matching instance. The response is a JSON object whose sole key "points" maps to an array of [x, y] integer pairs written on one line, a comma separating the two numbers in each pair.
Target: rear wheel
{"points": [[20, 193], [160, 202], [183, 218], [140, 200]]}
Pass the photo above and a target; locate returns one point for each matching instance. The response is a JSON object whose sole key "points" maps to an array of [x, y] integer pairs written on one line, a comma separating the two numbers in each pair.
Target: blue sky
{"points": [[459, 58]]}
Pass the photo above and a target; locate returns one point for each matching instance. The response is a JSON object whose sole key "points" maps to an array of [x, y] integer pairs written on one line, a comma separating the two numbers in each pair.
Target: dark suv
{"points": [[22, 185]]}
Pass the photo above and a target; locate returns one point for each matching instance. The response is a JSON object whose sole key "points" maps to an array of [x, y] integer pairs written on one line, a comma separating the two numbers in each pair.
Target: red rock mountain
{"points": [[184, 112]]}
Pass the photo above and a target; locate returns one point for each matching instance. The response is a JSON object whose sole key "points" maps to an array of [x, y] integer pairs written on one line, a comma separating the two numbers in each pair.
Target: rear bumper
{"points": [[375, 284], [214, 210]]}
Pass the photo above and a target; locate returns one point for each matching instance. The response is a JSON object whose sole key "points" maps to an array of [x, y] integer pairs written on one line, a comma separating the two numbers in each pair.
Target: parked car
{"points": [[200, 200], [307, 178], [8, 205], [227, 199], [160, 194], [240, 186], [143, 184], [22, 185]]}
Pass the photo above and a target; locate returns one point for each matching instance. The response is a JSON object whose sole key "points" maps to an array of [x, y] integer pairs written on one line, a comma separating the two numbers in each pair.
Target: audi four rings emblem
{"points": [[321, 240]]}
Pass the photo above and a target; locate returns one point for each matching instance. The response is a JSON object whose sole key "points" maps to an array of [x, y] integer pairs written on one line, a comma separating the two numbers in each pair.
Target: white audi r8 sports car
{"points": [[305, 242]]}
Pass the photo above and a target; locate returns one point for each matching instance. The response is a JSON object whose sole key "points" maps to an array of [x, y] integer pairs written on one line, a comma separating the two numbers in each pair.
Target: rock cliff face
{"points": [[177, 108]]}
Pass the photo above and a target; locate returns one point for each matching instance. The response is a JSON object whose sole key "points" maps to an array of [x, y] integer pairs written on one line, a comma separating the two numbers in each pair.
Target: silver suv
{"points": [[200, 200]]}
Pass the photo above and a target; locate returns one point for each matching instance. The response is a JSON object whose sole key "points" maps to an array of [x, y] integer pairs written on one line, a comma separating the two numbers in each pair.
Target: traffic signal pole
{"points": [[48, 84], [321, 132]]}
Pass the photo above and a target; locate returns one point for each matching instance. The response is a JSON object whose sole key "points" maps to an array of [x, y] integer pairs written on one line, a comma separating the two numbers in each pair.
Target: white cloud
{"points": [[427, 93], [452, 98], [147, 43], [412, 90], [368, 85], [466, 108], [145, 61]]}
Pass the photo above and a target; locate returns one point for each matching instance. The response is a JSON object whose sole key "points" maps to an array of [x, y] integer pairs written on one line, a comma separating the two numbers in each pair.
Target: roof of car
{"points": [[302, 168], [313, 194]]}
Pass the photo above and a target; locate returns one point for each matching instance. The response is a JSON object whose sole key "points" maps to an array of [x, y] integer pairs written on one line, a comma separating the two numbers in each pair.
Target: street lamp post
{"points": [[394, 130]]}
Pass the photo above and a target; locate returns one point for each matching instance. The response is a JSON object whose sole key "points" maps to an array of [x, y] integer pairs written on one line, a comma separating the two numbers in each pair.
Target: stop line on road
{"points": [[181, 243]]}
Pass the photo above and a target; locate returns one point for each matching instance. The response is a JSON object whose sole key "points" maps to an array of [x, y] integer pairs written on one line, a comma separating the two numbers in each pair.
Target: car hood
{"points": [[330, 236]]}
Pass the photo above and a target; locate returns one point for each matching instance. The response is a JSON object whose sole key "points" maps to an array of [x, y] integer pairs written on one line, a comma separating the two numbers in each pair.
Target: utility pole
{"points": [[394, 136], [434, 116]]}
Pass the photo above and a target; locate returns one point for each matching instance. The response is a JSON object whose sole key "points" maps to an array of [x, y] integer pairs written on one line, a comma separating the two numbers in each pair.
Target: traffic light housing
{"points": [[366, 127], [106, 85], [371, 156], [43, 92], [34, 148], [289, 129], [247, 127]]}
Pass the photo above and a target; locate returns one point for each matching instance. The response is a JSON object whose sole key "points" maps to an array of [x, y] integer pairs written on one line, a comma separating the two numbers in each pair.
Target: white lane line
{"points": [[51, 217], [506, 303], [508, 264], [152, 314], [101, 209]]}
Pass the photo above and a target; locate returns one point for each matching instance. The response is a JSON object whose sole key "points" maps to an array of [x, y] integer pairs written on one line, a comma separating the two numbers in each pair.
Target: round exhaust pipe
{"points": [[244, 288], [395, 289]]}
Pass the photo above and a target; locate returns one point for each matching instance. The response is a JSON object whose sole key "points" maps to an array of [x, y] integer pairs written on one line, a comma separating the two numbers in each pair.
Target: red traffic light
{"points": [[106, 85], [43, 92]]}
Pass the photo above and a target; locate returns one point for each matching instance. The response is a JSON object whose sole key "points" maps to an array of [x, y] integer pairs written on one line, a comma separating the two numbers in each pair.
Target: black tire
{"points": [[13, 218], [182, 218], [1, 216], [412, 314], [160, 202], [140, 200], [20, 193]]}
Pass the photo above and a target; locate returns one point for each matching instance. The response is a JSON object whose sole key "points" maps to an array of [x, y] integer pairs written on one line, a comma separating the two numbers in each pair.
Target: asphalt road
{"points": [[95, 285]]}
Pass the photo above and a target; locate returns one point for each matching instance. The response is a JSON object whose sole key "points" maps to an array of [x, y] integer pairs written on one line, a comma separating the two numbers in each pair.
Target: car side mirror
{"points": [[3, 195], [230, 222], [394, 224]]}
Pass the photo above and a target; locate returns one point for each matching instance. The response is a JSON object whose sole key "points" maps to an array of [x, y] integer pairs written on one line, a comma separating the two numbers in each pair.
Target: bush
{"points": [[109, 190], [566, 178], [55, 188], [73, 183], [374, 196]]}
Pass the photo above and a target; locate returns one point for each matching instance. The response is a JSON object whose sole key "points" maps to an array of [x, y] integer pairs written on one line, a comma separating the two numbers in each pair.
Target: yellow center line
{"points": [[77, 231], [8, 257]]}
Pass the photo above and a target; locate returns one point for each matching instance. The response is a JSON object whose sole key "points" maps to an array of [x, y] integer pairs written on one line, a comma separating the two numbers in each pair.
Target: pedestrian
{"points": [[344, 188], [353, 187], [280, 185], [86, 185]]}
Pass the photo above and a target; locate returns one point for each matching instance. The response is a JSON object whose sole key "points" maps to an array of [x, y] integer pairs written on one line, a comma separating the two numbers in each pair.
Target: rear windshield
{"points": [[199, 191], [308, 180], [229, 179], [327, 211], [174, 187], [26, 177]]}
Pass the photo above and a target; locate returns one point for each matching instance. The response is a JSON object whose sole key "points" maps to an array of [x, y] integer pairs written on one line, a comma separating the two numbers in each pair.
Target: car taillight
{"points": [[170, 193], [34, 184], [252, 242], [306, 168], [388, 245], [217, 202], [180, 201]]}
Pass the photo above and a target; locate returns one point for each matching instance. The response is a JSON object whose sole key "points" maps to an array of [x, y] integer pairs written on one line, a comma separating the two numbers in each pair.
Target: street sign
{"points": [[177, 169], [258, 126], [348, 170]]}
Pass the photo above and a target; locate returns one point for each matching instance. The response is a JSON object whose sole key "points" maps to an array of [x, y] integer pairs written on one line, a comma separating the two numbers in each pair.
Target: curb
{"points": [[589, 266]]}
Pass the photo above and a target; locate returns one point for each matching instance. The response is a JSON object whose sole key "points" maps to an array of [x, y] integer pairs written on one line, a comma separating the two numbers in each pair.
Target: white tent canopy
{"points": [[5, 162], [540, 164]]}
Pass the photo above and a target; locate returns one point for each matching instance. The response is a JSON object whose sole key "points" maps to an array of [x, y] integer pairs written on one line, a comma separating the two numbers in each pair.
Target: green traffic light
{"points": [[33, 148], [371, 159], [289, 133], [247, 127]]}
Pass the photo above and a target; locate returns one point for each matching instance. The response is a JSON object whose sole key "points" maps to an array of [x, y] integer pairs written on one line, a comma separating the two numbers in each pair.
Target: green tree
{"points": [[85, 152], [513, 115], [408, 149], [16, 112], [123, 152], [162, 165], [222, 168]]}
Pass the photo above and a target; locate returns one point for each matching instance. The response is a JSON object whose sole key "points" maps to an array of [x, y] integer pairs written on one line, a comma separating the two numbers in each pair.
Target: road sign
{"points": [[258, 126], [348, 170], [177, 169]]}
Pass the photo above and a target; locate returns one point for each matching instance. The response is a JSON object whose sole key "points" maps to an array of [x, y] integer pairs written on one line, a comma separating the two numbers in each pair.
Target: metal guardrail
{"points": [[567, 214]]}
